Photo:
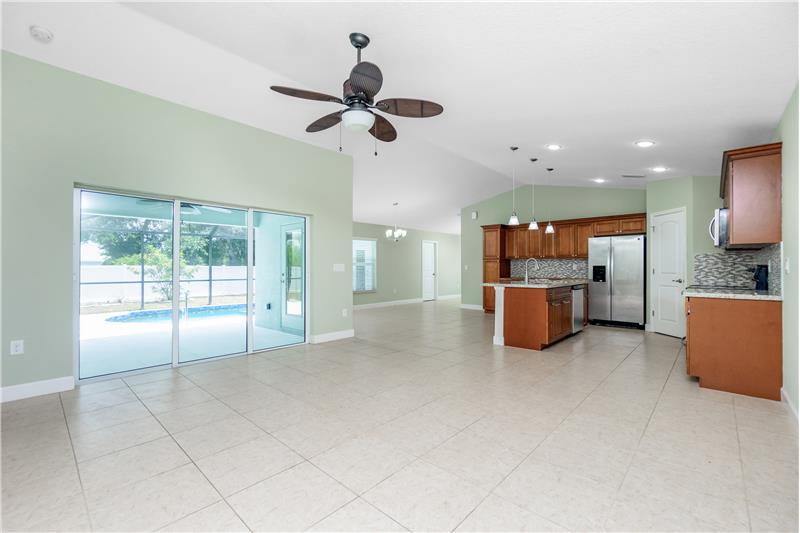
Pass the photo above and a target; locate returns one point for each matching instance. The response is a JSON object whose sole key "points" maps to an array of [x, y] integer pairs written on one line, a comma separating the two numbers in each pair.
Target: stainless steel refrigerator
{"points": [[616, 271]]}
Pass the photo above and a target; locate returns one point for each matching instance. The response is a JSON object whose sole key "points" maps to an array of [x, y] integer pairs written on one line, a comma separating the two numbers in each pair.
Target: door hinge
{"points": [[653, 312]]}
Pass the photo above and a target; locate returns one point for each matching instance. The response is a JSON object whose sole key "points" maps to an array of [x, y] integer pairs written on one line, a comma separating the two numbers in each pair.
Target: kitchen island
{"points": [[535, 314]]}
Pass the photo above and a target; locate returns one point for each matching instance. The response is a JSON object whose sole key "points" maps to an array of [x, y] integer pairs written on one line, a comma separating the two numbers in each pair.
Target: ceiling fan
{"points": [[358, 95]]}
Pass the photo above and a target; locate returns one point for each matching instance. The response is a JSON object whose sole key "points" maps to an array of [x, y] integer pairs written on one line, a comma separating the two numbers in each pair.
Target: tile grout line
{"points": [[192, 461], [491, 492], [741, 466], [77, 468]]}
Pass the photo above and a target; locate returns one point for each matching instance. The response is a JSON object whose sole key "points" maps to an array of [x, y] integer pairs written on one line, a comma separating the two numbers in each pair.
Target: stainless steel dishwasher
{"points": [[577, 308]]}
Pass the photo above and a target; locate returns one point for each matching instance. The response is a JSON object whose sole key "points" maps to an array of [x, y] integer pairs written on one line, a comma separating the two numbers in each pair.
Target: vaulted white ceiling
{"points": [[697, 78]]}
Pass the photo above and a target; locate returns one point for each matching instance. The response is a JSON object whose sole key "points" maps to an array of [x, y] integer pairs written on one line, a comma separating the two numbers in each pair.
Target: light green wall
{"points": [[60, 128], [699, 195], [787, 133], [552, 203], [399, 270]]}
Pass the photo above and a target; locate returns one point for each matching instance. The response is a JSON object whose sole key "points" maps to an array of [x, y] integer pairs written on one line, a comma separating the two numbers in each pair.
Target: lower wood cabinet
{"points": [[735, 345]]}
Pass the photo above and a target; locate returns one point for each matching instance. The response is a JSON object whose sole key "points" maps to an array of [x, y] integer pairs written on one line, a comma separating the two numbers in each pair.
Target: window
{"points": [[364, 260]]}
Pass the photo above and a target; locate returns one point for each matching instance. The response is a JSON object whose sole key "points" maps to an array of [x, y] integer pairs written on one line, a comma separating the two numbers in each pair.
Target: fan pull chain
{"points": [[340, 136], [376, 145]]}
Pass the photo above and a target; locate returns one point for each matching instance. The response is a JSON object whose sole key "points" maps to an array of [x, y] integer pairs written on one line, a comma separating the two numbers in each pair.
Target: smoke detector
{"points": [[41, 34]]}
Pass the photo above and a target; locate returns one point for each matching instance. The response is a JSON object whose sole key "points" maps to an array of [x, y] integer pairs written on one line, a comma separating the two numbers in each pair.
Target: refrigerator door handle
{"points": [[611, 279]]}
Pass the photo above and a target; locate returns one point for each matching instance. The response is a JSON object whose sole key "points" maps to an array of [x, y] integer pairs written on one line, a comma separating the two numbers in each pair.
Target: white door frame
{"points": [[76, 265], [435, 269], [651, 274]]}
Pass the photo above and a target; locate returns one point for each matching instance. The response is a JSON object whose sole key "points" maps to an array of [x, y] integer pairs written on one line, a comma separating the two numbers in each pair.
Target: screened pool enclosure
{"points": [[235, 282]]}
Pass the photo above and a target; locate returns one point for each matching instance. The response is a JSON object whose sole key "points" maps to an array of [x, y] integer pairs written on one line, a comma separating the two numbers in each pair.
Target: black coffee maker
{"points": [[760, 276]]}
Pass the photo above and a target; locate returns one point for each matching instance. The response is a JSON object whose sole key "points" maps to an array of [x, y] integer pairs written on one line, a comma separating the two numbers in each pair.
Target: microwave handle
{"points": [[711, 230]]}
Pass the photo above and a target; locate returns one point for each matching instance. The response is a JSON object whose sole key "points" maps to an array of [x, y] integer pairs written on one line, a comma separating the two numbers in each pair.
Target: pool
{"points": [[160, 315]]}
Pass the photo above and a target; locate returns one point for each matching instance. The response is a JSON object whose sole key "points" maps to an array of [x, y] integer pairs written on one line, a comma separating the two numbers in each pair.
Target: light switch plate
{"points": [[338, 267], [474, 215], [17, 347]]}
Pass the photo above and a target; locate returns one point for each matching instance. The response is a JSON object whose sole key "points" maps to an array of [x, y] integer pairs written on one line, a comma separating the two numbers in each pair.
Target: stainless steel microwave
{"points": [[718, 228]]}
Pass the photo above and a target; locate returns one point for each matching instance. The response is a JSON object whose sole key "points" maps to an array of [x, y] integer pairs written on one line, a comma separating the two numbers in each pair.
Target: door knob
{"points": [[679, 280]]}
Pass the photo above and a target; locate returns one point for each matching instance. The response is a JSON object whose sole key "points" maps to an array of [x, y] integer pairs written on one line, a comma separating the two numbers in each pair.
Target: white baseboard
{"points": [[788, 402], [648, 327], [332, 336], [448, 297], [36, 388], [390, 303], [473, 307]]}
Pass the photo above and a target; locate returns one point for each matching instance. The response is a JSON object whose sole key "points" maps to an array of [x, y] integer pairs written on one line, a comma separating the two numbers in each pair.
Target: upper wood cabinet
{"points": [[511, 243], [583, 232], [633, 225], [493, 242], [522, 241], [606, 227], [564, 237], [535, 243], [751, 189]]}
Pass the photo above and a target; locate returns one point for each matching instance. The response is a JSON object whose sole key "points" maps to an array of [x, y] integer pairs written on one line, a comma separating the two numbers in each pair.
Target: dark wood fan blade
{"points": [[383, 130], [325, 122], [308, 95], [366, 78], [409, 107]]}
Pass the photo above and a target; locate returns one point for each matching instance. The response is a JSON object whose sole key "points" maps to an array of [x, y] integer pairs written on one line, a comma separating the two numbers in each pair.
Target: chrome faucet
{"points": [[526, 267]]}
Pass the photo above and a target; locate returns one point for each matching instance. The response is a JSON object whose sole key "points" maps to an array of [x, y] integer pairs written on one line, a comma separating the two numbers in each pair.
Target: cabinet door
{"points": [[688, 337], [491, 243], [632, 225], [553, 320], [523, 243], [535, 243], [565, 240], [488, 298], [583, 232], [606, 227], [755, 200], [491, 270], [566, 316], [511, 243], [548, 245]]}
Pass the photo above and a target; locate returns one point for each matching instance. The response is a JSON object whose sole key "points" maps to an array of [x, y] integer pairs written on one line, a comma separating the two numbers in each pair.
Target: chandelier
{"points": [[395, 234]]}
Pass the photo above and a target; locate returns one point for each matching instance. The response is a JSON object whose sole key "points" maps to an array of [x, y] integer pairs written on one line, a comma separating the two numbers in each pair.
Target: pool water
{"points": [[160, 315]]}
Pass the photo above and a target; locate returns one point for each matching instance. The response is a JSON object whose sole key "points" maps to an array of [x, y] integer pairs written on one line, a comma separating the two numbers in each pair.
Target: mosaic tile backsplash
{"points": [[551, 268], [731, 267]]}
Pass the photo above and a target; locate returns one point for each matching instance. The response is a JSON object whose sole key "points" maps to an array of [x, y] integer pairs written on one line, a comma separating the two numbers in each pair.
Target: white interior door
{"points": [[668, 272], [428, 270]]}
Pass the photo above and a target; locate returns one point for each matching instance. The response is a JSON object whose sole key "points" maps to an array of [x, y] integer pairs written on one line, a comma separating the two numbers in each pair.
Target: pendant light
{"points": [[549, 228], [533, 226], [395, 234], [513, 220]]}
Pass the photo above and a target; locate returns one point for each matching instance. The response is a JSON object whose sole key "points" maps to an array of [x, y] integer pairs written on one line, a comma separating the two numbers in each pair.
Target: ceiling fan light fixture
{"points": [[358, 119]]}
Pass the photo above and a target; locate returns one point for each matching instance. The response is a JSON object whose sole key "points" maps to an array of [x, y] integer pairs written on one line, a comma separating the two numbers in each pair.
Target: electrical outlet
{"points": [[786, 266], [344, 311], [17, 347]]}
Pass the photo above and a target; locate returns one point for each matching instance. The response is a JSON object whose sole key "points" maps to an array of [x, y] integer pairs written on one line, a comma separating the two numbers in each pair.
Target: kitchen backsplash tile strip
{"points": [[731, 267], [551, 268]]}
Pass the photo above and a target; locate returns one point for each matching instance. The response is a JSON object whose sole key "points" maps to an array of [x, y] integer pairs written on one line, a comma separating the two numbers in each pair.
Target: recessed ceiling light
{"points": [[553, 147], [599, 180], [644, 143], [659, 169], [43, 35]]}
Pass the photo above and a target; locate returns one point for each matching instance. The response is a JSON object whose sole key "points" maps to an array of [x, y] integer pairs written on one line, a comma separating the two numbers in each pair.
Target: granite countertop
{"points": [[537, 283], [732, 294]]}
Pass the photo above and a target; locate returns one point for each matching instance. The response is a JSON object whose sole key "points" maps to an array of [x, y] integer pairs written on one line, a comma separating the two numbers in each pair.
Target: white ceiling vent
{"points": [[633, 176]]}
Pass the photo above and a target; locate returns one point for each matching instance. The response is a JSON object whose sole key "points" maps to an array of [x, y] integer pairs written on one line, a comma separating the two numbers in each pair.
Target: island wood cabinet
{"points": [[750, 186], [735, 345], [535, 318]]}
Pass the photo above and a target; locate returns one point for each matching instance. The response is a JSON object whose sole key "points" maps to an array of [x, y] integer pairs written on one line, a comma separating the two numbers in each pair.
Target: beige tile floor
{"points": [[418, 423]]}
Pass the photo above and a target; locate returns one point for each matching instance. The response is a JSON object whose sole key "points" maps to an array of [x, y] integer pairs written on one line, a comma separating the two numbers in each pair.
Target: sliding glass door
{"points": [[278, 280], [125, 283], [143, 303], [213, 273]]}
